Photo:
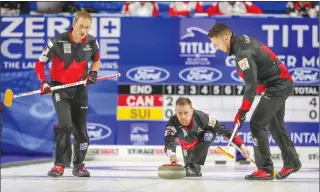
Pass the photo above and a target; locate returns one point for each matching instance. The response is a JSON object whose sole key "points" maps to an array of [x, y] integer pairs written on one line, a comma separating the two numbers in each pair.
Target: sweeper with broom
{"points": [[195, 131]]}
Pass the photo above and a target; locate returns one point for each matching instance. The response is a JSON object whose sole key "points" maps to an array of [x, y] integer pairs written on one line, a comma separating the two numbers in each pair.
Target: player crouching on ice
{"points": [[195, 131]]}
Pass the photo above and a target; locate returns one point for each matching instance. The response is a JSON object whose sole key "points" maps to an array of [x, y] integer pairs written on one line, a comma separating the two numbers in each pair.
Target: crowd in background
{"points": [[154, 9]]}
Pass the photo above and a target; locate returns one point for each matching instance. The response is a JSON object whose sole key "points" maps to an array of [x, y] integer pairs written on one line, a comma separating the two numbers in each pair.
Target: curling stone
{"points": [[171, 171]]}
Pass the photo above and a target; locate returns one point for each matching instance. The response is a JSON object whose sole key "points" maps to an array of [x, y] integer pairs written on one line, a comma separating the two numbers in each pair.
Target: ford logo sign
{"points": [[148, 74], [98, 131], [304, 75], [234, 75], [200, 74]]}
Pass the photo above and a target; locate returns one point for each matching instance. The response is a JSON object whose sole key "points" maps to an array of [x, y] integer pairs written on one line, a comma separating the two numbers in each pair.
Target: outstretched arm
{"points": [[215, 126]]}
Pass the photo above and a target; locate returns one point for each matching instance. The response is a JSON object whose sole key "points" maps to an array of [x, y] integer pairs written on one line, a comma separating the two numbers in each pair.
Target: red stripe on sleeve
{"points": [[246, 105], [40, 71]]}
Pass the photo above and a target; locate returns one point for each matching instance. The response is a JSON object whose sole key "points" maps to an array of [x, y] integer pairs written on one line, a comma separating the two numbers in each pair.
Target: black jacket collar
{"points": [[232, 44]]}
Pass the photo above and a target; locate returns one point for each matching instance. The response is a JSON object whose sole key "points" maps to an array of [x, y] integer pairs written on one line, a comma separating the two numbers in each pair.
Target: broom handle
{"points": [[233, 134], [67, 85], [238, 148]]}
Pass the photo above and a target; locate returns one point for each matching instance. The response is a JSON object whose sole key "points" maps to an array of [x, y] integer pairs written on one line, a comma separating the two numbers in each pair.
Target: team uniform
{"points": [[196, 138], [262, 71], [69, 65]]}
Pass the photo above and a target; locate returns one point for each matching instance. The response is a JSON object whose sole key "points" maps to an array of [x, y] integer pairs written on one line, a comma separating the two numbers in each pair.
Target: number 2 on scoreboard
{"points": [[170, 101], [168, 107]]}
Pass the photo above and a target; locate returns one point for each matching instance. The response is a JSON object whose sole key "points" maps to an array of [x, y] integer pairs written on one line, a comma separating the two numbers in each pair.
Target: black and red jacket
{"points": [[69, 59], [260, 68], [188, 137]]}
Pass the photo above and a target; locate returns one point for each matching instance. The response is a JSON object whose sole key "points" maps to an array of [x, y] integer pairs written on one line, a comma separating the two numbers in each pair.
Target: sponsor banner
{"points": [[28, 126], [208, 75], [103, 150], [194, 44], [156, 153], [306, 154], [140, 101], [140, 132], [313, 156], [200, 75], [145, 151], [178, 74], [24, 38], [301, 134], [147, 74], [101, 129], [139, 113], [192, 48]]}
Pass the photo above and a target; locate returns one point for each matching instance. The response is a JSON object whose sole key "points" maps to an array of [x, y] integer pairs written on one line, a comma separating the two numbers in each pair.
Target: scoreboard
{"points": [[156, 102]]}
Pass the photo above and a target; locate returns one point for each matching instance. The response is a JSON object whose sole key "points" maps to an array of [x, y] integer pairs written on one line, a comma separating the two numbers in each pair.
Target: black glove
{"points": [[91, 78]]}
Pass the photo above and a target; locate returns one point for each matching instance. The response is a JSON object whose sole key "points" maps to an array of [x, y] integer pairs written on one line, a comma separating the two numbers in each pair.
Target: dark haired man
{"points": [[262, 71]]}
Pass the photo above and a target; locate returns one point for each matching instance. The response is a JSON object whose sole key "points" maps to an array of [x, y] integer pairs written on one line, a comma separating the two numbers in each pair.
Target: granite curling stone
{"points": [[171, 171]]}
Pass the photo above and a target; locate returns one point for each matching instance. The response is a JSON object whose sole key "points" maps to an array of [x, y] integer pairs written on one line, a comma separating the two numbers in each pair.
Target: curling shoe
{"points": [[259, 175], [56, 171], [192, 172], [284, 173], [80, 171]]}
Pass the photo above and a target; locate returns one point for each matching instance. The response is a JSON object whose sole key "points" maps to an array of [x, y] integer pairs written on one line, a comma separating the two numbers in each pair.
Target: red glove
{"points": [[240, 117], [45, 88], [91, 78], [236, 139]]}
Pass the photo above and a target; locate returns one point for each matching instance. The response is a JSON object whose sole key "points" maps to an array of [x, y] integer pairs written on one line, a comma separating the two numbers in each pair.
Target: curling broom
{"points": [[9, 95], [225, 152]]}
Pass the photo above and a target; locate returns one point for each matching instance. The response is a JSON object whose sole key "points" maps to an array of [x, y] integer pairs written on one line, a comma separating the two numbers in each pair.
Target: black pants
{"points": [[198, 155], [271, 109], [71, 106]]}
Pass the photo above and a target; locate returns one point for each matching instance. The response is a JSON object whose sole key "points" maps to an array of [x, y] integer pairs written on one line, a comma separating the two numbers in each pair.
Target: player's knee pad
{"points": [[84, 146], [83, 142]]}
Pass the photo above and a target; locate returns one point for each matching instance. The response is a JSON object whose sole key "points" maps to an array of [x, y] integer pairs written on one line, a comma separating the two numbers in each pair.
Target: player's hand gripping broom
{"points": [[9, 95], [225, 152]]}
